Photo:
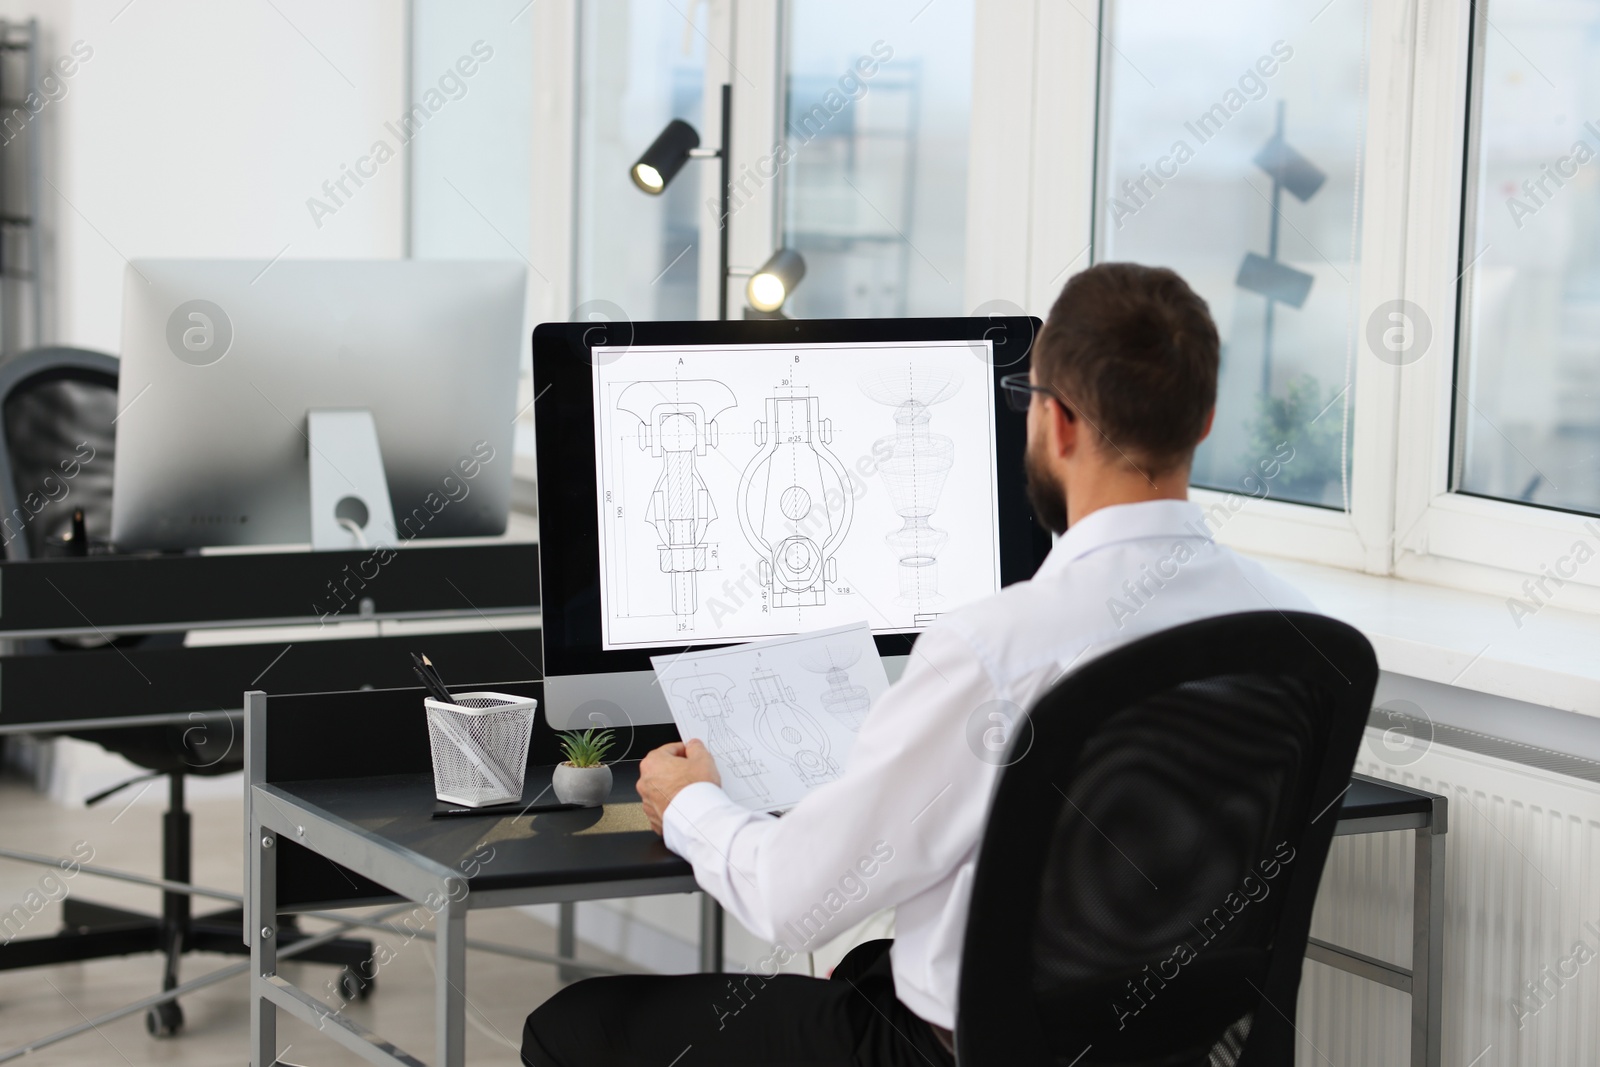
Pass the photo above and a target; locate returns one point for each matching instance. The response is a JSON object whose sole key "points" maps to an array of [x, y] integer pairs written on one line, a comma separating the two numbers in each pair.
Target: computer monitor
{"points": [[247, 386], [704, 483]]}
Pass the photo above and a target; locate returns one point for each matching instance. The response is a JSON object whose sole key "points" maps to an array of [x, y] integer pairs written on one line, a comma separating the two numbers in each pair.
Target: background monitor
{"points": [[703, 483], [223, 360]]}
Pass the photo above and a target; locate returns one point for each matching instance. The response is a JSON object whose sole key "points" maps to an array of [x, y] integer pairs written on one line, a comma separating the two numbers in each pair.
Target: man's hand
{"points": [[667, 770]]}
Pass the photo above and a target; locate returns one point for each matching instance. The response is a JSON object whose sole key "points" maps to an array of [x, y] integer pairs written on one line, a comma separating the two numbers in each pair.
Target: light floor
{"points": [[41, 1001]]}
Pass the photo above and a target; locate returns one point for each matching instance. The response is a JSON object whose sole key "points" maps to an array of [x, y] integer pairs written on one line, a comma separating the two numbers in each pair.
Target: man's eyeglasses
{"points": [[1019, 393]]}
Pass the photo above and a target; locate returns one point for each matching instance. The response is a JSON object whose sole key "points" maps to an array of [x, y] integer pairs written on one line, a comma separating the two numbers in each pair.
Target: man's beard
{"points": [[1045, 493]]}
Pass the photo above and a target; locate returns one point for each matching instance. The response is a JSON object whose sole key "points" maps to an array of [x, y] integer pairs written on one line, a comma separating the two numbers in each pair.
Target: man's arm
{"points": [[906, 811]]}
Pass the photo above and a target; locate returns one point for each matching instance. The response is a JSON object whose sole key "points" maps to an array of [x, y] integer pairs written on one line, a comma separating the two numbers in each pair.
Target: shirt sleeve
{"points": [[906, 811]]}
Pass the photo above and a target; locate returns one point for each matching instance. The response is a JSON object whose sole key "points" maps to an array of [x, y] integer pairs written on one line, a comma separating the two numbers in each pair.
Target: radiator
{"points": [[1522, 921]]}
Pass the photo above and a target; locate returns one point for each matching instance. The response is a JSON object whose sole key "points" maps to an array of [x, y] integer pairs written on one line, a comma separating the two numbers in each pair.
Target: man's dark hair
{"points": [[1134, 350]]}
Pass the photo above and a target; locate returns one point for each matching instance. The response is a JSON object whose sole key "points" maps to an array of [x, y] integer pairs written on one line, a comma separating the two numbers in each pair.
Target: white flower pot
{"points": [[589, 786]]}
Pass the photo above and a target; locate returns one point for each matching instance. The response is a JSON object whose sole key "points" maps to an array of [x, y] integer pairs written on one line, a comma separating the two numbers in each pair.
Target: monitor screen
{"points": [[753, 490], [704, 483]]}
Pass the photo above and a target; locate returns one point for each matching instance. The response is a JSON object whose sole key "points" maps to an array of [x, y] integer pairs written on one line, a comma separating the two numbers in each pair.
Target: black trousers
{"points": [[852, 1019]]}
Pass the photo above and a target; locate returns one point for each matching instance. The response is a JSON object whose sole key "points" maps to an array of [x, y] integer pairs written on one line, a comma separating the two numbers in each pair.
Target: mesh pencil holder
{"points": [[480, 747]]}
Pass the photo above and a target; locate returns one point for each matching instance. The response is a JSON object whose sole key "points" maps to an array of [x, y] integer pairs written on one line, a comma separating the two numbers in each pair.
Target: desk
{"points": [[315, 824], [317, 841]]}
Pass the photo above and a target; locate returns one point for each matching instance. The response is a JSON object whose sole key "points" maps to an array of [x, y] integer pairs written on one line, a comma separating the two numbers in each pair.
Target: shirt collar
{"points": [[1127, 522]]}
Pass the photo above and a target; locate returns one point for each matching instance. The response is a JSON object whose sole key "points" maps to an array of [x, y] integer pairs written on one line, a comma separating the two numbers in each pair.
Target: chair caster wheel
{"points": [[164, 1020], [354, 987]]}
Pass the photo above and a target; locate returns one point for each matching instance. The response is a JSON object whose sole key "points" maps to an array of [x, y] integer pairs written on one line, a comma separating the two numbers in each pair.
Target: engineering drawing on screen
{"points": [[915, 471], [748, 491], [795, 502], [678, 421]]}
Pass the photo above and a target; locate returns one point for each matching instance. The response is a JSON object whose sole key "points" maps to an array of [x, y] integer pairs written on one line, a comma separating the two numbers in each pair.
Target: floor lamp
{"points": [[769, 285]]}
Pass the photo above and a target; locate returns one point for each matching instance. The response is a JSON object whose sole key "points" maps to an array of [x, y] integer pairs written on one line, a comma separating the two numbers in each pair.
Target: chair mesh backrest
{"points": [[1171, 806], [1158, 844], [53, 421], [1157, 910]]}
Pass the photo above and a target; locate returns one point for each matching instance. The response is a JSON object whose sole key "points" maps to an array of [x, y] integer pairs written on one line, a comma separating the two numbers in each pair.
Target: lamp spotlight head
{"points": [[665, 157], [770, 286]]}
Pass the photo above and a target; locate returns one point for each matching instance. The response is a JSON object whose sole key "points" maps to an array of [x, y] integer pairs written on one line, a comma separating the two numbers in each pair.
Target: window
{"points": [[1308, 166], [641, 63], [469, 180], [1231, 141], [877, 105], [1527, 390]]}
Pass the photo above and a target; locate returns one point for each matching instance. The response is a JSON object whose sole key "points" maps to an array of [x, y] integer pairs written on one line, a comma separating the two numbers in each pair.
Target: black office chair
{"points": [[57, 442], [1144, 887]]}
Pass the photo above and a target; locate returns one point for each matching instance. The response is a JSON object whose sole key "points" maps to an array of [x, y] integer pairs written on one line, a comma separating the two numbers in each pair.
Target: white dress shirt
{"points": [[900, 827]]}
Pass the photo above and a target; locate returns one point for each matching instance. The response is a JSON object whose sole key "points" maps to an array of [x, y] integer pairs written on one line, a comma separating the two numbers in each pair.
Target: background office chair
{"points": [[1145, 883], [57, 406]]}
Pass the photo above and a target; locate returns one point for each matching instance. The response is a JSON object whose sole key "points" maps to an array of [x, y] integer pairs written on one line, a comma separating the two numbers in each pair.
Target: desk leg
{"points": [[450, 990], [710, 934], [262, 913], [1427, 949], [567, 940]]}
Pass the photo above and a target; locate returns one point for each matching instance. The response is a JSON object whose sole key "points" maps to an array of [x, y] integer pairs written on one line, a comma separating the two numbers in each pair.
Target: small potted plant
{"points": [[582, 778]]}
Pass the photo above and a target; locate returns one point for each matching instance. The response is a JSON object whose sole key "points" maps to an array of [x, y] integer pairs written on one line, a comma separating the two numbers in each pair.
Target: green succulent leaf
{"points": [[586, 749]]}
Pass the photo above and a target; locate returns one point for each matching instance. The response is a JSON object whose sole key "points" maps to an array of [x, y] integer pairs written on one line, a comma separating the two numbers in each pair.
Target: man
{"points": [[1121, 390]]}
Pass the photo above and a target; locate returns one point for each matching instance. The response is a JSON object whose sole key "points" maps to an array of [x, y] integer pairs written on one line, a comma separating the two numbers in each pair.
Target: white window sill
{"points": [[1464, 639]]}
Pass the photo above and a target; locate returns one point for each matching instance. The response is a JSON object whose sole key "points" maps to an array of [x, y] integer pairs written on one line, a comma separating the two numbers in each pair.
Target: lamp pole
{"points": [[724, 198]]}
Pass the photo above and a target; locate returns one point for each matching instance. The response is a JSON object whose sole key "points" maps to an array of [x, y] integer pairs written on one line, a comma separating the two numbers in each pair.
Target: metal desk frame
{"points": [[1423, 979], [272, 813]]}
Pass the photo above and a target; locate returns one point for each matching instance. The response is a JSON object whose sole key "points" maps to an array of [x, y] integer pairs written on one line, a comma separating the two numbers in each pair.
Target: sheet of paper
{"points": [[779, 715]]}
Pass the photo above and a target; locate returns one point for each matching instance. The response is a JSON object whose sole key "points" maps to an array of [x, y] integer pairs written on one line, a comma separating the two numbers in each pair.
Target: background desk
{"points": [[98, 596], [177, 709]]}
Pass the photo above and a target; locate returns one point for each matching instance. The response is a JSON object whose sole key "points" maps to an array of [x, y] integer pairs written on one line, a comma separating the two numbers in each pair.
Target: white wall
{"points": [[201, 128]]}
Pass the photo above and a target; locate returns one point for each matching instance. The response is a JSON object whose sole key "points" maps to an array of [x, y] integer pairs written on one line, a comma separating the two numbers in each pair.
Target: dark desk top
{"points": [[609, 844], [1369, 799]]}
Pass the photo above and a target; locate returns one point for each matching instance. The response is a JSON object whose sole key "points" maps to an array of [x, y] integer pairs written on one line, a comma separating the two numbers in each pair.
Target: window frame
{"points": [[1441, 535]]}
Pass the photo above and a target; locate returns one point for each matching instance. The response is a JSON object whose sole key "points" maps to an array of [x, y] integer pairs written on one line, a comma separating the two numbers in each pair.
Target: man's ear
{"points": [[1063, 431], [1205, 431]]}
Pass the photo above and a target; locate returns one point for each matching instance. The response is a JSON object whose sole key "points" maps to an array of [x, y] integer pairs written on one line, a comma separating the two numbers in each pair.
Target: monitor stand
{"points": [[349, 492]]}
